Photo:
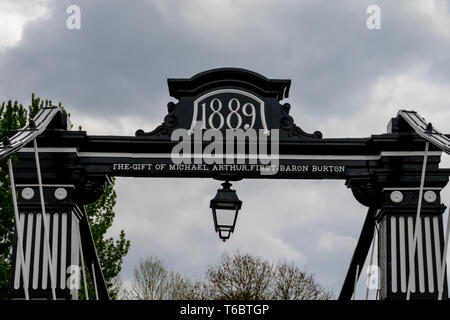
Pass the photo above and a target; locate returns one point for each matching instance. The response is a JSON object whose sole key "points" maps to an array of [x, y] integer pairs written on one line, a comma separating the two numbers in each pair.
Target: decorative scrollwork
{"points": [[170, 121], [294, 132]]}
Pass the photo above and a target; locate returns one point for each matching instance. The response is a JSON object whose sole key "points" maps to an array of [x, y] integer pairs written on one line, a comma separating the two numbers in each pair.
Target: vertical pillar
{"points": [[63, 227], [396, 222]]}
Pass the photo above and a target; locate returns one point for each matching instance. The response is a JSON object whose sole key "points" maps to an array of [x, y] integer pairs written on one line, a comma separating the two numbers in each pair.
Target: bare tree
{"points": [[152, 281], [240, 277], [234, 277], [246, 277], [199, 290], [119, 292], [177, 287], [291, 283]]}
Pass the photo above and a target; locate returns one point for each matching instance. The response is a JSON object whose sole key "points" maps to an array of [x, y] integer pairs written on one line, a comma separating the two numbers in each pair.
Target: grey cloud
{"points": [[117, 65], [120, 59], [279, 220]]}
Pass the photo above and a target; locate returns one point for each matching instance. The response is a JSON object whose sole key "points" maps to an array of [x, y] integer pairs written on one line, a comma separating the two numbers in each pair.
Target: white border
{"points": [[237, 156], [244, 93]]}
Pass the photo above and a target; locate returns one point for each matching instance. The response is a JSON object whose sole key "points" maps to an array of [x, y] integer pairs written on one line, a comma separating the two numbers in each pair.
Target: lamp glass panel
{"points": [[224, 234], [225, 217]]}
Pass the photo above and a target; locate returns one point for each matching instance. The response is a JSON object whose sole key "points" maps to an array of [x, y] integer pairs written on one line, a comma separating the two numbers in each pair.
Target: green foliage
{"points": [[14, 116], [110, 252]]}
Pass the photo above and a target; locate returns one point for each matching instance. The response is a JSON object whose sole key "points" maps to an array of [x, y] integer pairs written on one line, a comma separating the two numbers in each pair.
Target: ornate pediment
{"points": [[230, 99]]}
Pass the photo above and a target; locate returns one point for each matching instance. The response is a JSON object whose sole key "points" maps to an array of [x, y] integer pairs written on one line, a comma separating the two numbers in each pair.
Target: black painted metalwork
{"points": [[41, 122], [359, 256], [426, 130], [383, 171], [91, 257], [225, 208]]}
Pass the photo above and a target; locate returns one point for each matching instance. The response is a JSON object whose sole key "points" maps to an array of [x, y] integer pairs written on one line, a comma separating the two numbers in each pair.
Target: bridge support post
{"points": [[396, 224], [64, 239]]}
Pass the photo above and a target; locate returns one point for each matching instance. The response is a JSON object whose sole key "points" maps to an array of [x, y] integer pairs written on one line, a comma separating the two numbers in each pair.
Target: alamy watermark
{"points": [[373, 274], [373, 21], [227, 147], [73, 21], [73, 280]]}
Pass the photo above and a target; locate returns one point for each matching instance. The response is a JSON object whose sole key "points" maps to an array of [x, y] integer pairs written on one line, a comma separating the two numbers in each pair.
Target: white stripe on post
{"points": [[444, 260], [75, 251], [55, 247], [420, 257], [19, 229], [46, 230], [402, 239], [45, 263], [20, 264], [394, 281], [437, 249], [412, 266], [37, 250], [63, 250], [419, 208], [28, 248], [429, 254]]}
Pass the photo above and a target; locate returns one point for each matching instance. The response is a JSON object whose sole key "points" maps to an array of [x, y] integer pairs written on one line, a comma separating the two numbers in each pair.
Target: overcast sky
{"points": [[347, 81]]}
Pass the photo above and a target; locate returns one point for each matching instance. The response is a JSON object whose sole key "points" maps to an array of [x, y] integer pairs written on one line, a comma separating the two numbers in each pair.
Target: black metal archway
{"points": [[385, 173]]}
